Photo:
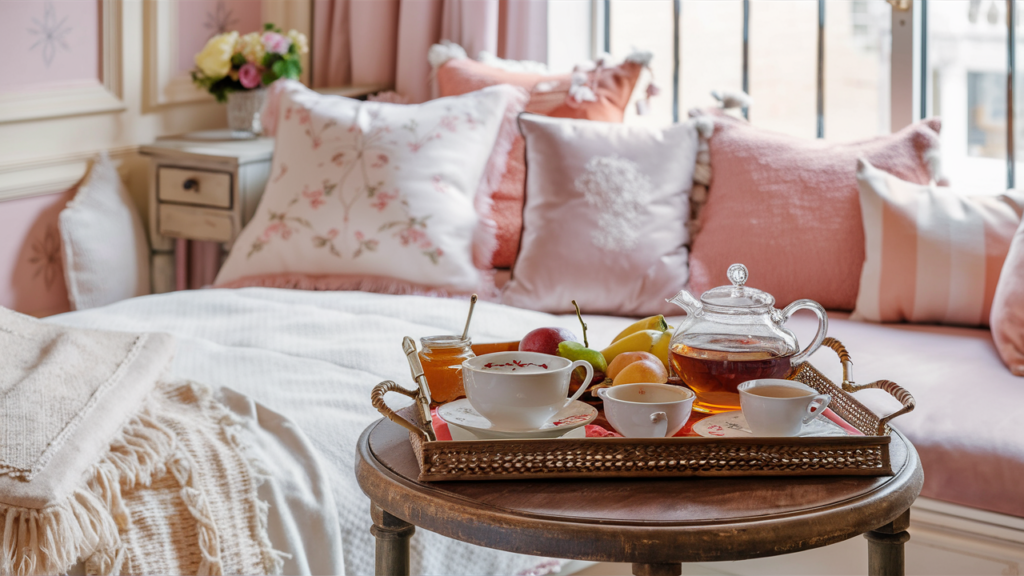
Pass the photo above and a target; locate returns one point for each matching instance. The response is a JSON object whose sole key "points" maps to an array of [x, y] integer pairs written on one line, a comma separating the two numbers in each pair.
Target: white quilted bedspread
{"points": [[313, 357]]}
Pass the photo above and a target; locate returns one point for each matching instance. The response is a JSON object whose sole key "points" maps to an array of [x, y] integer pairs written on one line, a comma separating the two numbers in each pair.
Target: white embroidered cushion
{"points": [[605, 216], [931, 254], [382, 194]]}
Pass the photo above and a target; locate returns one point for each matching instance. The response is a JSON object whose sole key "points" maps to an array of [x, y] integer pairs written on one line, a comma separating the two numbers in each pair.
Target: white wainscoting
{"points": [[945, 539]]}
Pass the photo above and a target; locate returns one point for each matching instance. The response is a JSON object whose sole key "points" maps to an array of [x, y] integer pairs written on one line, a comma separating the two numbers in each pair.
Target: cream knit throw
{"points": [[102, 462]]}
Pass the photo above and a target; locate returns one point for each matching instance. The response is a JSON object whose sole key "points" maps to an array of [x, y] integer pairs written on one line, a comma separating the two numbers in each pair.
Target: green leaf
{"points": [[269, 77], [237, 60], [268, 26], [280, 67]]}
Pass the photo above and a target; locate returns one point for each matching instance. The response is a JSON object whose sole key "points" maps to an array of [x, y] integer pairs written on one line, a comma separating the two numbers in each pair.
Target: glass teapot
{"points": [[734, 334]]}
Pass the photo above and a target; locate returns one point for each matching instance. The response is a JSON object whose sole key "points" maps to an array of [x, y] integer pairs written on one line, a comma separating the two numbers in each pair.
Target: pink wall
{"points": [[49, 43], [199, 20], [31, 266]]}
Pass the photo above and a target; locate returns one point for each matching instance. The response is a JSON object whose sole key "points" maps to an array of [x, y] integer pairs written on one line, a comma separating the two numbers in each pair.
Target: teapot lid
{"points": [[739, 298]]}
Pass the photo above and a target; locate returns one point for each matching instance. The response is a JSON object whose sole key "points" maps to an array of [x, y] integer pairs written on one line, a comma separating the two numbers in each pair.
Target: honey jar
{"points": [[442, 357]]}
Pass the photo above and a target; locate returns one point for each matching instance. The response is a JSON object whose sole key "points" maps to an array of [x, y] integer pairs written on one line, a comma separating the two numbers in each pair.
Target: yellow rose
{"points": [[251, 47], [300, 41], [215, 58]]}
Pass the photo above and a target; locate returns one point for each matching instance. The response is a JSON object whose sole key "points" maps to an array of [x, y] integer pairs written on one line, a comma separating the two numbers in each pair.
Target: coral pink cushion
{"points": [[1007, 318], [614, 87], [788, 209], [377, 196], [605, 216], [932, 255]]}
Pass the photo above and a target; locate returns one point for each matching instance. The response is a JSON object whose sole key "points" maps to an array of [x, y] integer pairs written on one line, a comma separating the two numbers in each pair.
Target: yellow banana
{"points": [[649, 323], [642, 341], [660, 348]]}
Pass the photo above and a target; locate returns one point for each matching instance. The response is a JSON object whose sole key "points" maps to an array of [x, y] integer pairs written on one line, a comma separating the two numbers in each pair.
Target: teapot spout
{"points": [[687, 302]]}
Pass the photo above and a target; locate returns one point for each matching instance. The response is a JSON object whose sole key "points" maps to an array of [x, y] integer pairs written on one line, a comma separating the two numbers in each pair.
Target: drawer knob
{"points": [[191, 184]]}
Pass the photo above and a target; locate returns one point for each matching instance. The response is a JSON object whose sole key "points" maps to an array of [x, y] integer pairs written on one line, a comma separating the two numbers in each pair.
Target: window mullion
{"points": [[1011, 73], [821, 69]]}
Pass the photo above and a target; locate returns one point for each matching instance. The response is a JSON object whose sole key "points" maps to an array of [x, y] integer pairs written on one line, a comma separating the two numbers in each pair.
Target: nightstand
{"points": [[203, 188]]}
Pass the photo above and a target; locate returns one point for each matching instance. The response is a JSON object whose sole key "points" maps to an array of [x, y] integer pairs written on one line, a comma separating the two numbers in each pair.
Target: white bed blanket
{"points": [[313, 357]]}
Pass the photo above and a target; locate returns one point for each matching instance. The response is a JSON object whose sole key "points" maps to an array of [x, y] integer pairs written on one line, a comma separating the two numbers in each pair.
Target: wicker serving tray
{"points": [[866, 455]]}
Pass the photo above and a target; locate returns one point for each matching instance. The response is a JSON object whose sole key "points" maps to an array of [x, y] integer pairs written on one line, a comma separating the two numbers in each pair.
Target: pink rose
{"points": [[276, 43], [249, 75]]}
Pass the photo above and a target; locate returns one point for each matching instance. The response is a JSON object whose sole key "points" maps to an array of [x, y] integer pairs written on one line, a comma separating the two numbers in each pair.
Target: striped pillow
{"points": [[931, 255]]}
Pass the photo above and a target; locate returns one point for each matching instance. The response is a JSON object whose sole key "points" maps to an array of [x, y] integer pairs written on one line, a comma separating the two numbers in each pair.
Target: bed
{"points": [[304, 362], [301, 365]]}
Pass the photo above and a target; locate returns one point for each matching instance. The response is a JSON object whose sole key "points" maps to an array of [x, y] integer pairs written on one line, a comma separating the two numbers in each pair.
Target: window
{"points": [[828, 68]]}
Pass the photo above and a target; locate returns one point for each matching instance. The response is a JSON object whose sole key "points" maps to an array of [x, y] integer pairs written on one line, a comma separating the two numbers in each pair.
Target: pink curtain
{"points": [[386, 41]]}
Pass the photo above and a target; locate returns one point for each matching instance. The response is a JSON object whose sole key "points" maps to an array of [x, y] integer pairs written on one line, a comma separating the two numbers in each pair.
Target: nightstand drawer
{"points": [[190, 186], [196, 223]]}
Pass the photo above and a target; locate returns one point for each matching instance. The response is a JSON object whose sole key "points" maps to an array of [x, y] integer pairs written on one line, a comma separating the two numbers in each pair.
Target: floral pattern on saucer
{"points": [[734, 425], [461, 413]]}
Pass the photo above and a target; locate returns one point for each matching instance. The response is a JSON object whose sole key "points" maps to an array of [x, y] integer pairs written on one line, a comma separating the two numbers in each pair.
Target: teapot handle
{"points": [[822, 326]]}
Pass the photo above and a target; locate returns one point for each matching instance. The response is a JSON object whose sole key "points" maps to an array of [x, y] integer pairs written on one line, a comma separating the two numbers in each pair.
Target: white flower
{"points": [[251, 47], [215, 58], [300, 41]]}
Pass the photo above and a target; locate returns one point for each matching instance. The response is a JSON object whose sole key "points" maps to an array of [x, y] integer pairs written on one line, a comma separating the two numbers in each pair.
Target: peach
{"points": [[625, 359], [642, 372]]}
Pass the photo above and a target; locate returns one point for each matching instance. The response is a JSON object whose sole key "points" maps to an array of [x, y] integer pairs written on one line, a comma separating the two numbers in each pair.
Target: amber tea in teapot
{"points": [[715, 374], [734, 334]]}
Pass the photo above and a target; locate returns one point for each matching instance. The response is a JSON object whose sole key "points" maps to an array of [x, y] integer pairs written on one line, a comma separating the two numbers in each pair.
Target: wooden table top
{"points": [[646, 521]]}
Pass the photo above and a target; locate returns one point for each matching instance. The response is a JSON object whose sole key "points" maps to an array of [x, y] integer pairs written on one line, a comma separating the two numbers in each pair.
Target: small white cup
{"points": [[647, 410], [521, 391], [776, 416]]}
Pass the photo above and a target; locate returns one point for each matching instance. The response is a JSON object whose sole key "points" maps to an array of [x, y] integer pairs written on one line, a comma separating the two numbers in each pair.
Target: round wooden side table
{"points": [[654, 524]]}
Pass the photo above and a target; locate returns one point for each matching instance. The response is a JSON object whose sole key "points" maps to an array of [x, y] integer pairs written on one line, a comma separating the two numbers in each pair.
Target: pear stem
{"points": [[580, 316]]}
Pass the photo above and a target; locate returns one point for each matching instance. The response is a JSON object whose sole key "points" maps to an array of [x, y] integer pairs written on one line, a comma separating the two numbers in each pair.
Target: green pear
{"points": [[578, 351]]}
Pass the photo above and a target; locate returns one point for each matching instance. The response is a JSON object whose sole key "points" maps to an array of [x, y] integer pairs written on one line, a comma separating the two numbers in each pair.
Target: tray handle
{"points": [[377, 399], [894, 389]]}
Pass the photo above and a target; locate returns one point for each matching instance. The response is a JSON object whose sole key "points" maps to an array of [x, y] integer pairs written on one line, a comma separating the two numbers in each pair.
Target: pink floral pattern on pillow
{"points": [[372, 182]]}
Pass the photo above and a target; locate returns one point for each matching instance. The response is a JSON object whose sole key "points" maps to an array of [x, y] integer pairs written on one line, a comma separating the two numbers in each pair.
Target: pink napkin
{"points": [[828, 413]]}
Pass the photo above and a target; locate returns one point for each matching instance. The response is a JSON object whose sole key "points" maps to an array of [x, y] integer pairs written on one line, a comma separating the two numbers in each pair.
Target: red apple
{"points": [[545, 340]]}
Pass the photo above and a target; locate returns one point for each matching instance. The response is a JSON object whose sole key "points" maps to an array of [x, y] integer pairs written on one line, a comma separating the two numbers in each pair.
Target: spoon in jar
{"points": [[472, 304]]}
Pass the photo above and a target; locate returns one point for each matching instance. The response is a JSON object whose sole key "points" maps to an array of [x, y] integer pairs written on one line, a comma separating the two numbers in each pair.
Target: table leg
{"points": [[885, 547], [657, 569], [392, 534]]}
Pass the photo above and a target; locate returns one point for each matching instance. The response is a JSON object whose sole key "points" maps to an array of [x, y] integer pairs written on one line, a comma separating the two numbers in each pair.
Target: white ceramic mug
{"points": [[777, 415], [520, 391], [647, 410]]}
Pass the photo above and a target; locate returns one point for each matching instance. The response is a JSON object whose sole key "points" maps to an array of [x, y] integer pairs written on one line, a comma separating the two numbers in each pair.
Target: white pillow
{"points": [[106, 253], [371, 194]]}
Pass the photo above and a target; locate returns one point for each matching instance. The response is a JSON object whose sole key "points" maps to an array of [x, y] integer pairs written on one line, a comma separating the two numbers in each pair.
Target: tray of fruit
{"points": [[640, 422], [727, 393]]}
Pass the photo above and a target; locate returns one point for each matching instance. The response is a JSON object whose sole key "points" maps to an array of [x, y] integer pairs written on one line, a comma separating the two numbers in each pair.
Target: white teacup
{"points": [[519, 391], [774, 407], [647, 410]]}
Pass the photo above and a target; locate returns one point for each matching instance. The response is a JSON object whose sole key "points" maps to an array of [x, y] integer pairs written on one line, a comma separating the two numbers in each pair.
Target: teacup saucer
{"points": [[734, 425], [462, 414]]}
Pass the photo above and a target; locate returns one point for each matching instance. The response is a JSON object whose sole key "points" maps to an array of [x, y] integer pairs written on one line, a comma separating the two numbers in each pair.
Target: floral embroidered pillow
{"points": [[605, 216], [373, 195]]}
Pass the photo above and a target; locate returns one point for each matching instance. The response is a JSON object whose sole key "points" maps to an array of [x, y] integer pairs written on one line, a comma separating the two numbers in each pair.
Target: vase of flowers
{"points": [[237, 68]]}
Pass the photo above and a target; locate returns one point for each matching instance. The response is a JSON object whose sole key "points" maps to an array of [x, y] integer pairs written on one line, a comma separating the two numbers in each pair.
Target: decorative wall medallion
{"points": [[46, 256], [618, 191], [51, 31], [220, 20]]}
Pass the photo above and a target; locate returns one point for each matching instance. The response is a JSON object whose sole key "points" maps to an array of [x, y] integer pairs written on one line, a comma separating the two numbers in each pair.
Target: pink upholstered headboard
{"points": [[31, 268]]}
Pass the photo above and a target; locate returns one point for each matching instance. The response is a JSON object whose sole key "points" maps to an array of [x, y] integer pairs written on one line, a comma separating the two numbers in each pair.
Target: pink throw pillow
{"points": [[788, 208], [1007, 318], [605, 217], [612, 87], [372, 195], [932, 255]]}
